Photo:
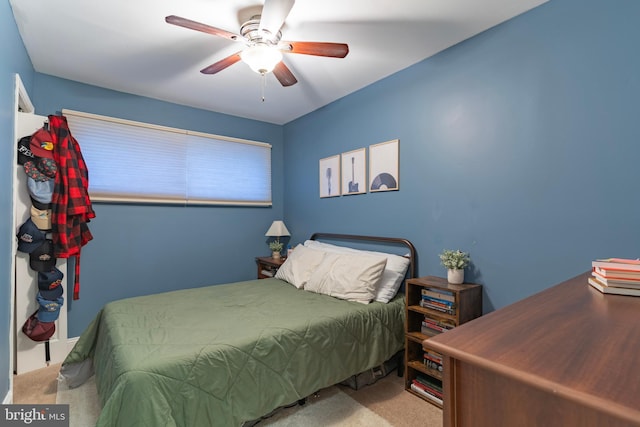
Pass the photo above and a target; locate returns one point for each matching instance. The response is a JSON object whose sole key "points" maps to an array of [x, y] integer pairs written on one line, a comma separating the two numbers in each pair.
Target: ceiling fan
{"points": [[263, 46]]}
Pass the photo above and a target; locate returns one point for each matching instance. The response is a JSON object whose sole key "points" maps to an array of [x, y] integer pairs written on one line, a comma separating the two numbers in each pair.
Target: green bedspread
{"points": [[222, 355]]}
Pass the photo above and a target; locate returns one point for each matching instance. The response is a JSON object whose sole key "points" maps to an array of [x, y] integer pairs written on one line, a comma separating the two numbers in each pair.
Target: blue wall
{"points": [[13, 60], [520, 146], [142, 249]]}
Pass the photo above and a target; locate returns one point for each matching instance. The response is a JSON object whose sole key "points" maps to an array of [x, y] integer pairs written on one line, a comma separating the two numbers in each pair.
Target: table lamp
{"points": [[276, 230]]}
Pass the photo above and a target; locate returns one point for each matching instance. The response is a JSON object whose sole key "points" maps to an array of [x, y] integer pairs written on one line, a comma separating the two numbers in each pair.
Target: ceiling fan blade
{"points": [[334, 50], [222, 64], [274, 13], [284, 75], [193, 25]]}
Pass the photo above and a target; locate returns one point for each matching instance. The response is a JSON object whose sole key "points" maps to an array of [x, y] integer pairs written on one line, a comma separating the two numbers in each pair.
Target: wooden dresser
{"points": [[567, 356]]}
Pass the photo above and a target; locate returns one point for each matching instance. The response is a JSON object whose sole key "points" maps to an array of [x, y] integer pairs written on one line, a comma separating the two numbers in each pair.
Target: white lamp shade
{"points": [[261, 58], [277, 229]]}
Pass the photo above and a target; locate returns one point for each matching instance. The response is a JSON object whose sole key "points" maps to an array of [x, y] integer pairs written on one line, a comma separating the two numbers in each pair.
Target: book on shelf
{"points": [[619, 263], [620, 283], [426, 394], [435, 326], [433, 357], [439, 294], [427, 389], [428, 304], [428, 331], [612, 289], [433, 365], [430, 384], [432, 361], [437, 301]]}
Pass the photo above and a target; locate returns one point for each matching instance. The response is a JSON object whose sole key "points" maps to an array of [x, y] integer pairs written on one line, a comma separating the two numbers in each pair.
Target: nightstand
{"points": [[268, 266]]}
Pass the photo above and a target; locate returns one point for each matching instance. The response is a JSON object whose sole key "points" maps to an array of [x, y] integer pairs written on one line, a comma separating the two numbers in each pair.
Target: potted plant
{"points": [[455, 263], [276, 247]]}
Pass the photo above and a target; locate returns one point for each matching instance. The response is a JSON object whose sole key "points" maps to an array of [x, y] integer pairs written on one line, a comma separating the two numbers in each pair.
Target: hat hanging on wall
{"points": [[24, 150], [41, 144], [42, 191], [30, 237], [37, 330], [42, 258], [51, 279], [41, 218]]}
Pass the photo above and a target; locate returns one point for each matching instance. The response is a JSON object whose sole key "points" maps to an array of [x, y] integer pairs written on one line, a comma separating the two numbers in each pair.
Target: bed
{"points": [[226, 355]]}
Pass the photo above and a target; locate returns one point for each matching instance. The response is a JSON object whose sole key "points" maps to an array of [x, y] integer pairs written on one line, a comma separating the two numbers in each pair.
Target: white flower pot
{"points": [[275, 255], [455, 277]]}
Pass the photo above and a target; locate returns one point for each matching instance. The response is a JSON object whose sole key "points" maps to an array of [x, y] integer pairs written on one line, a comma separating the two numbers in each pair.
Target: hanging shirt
{"points": [[71, 205]]}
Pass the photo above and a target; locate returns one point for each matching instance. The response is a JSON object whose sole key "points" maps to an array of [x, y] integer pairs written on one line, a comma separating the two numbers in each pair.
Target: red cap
{"points": [[42, 144]]}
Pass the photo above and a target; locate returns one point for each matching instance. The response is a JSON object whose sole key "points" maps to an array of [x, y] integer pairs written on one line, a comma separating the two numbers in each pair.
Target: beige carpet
{"points": [[384, 404]]}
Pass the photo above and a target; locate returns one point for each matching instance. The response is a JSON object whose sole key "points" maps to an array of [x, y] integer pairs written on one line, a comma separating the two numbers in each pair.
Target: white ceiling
{"points": [[125, 45]]}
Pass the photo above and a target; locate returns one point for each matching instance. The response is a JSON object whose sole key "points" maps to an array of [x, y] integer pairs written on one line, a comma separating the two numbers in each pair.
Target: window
{"points": [[137, 162]]}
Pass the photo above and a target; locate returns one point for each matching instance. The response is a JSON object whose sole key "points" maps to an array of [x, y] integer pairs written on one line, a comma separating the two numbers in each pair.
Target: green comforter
{"points": [[222, 355]]}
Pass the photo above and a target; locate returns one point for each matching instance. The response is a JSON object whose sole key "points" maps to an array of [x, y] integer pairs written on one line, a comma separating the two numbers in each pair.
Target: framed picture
{"points": [[383, 166], [354, 172], [330, 176]]}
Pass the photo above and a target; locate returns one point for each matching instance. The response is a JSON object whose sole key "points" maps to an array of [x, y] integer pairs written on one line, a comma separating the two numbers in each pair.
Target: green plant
{"points": [[275, 246], [454, 260]]}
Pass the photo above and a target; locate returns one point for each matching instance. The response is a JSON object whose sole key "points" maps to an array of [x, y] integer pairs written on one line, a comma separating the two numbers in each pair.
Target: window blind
{"points": [[131, 161]]}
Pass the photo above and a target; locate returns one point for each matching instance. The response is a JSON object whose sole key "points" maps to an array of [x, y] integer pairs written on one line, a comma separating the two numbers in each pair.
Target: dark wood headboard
{"points": [[411, 272]]}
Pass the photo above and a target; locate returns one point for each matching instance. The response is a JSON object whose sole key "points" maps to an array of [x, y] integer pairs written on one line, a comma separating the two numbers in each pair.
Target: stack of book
{"points": [[433, 361], [430, 388], [439, 299], [433, 327], [616, 276]]}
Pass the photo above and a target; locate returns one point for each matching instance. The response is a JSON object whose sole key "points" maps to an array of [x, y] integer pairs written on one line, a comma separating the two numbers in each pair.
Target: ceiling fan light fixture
{"points": [[261, 58]]}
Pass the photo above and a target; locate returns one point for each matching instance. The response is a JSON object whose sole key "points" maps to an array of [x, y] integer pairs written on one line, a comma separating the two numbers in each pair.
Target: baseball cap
{"points": [[38, 205], [24, 150], [49, 310], [53, 294], [41, 218], [42, 257], [41, 144], [40, 169], [42, 191], [49, 279], [37, 330], [29, 237]]}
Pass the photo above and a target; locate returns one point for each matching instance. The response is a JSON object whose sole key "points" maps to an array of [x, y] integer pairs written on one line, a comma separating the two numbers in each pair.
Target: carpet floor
{"points": [[383, 404]]}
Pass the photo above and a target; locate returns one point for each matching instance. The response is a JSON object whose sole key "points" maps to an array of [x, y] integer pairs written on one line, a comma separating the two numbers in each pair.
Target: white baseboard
{"points": [[8, 399]]}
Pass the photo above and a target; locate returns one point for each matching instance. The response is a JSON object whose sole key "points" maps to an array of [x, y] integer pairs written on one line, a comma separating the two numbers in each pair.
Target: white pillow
{"points": [[392, 276], [352, 277], [298, 267]]}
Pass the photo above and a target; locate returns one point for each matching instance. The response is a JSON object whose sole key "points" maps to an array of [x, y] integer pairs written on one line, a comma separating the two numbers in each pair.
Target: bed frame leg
{"points": [[400, 357]]}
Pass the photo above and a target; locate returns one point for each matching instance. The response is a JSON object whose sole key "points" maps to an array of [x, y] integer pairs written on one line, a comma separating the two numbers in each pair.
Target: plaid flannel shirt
{"points": [[71, 205]]}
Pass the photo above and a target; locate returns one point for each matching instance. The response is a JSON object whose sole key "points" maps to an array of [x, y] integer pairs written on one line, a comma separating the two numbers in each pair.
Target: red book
{"points": [[619, 263], [615, 273]]}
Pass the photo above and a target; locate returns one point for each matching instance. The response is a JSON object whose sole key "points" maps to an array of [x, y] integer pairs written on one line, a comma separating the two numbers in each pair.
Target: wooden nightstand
{"points": [[268, 266]]}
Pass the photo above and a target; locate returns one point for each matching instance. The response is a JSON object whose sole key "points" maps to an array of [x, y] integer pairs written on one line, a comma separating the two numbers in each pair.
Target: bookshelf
{"points": [[445, 306]]}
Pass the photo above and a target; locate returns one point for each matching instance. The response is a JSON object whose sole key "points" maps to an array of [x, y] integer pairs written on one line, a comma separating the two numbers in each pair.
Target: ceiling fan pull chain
{"points": [[263, 83]]}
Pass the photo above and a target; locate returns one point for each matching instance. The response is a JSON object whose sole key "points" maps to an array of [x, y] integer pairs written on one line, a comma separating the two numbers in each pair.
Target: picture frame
{"points": [[354, 172], [384, 171], [329, 176]]}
